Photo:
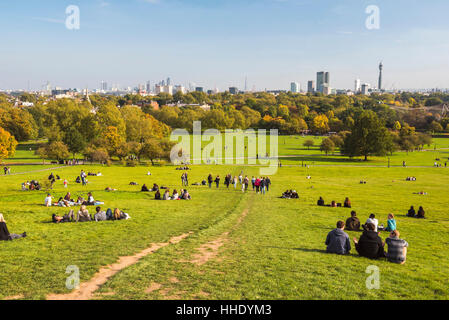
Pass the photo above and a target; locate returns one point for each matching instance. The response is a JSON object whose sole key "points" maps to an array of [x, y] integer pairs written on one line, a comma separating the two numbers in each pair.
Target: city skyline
{"points": [[223, 43]]}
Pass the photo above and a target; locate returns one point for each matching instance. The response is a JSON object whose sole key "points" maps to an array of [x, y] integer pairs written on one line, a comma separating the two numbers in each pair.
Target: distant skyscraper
{"points": [[311, 86], [322, 79], [104, 86], [357, 86], [168, 81], [148, 87], [294, 87], [365, 88], [381, 66], [199, 89]]}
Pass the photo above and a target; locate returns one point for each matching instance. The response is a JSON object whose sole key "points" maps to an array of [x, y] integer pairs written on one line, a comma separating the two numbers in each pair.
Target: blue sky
{"points": [[219, 42]]}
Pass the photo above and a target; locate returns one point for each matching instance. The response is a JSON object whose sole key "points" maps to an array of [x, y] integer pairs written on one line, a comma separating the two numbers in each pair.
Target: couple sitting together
{"points": [[346, 204], [84, 216], [370, 244], [145, 188]]}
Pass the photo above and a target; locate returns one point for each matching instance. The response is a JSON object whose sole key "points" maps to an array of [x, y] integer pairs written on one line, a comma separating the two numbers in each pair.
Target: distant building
{"points": [[311, 86], [381, 66], [163, 89], [148, 87], [365, 88], [199, 89], [179, 88], [104, 86], [357, 86], [233, 90], [322, 79], [294, 87]]}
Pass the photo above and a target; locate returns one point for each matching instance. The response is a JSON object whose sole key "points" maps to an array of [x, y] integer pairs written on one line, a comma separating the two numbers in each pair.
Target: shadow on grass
{"points": [[323, 158], [310, 250]]}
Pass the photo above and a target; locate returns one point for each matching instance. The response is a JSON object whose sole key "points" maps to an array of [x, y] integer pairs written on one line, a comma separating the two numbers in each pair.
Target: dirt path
{"points": [[87, 289], [210, 250]]}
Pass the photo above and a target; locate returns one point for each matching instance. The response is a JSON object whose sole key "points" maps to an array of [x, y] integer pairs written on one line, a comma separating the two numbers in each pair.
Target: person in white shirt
{"points": [[372, 219], [48, 200]]}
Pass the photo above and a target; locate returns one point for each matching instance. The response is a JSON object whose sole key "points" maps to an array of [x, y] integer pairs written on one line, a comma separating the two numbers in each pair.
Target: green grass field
{"points": [[237, 245]]}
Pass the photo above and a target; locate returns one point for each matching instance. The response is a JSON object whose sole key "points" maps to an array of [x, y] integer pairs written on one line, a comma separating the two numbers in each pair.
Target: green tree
{"points": [[327, 145], [308, 143], [368, 137]]}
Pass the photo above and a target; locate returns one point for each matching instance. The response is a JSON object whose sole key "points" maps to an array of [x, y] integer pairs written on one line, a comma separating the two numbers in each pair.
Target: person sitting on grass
{"points": [[320, 202], [63, 203], [353, 223], [370, 244], [391, 223], [48, 200], [411, 212], [347, 203], [144, 188], [4, 233], [397, 248], [185, 195], [166, 195], [333, 204], [157, 195], [372, 219], [90, 199], [155, 187], [99, 215], [175, 195], [421, 213], [120, 215], [337, 241], [83, 215], [68, 197]]}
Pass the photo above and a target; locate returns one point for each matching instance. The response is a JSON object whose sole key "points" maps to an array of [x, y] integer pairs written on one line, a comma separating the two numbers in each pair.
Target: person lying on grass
{"points": [[353, 223], [337, 241], [120, 215], [4, 233], [109, 189], [370, 244], [397, 248]]}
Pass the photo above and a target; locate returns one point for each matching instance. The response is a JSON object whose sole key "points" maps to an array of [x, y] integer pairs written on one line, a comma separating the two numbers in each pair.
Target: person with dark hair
{"points": [[320, 202], [421, 213], [144, 188], [210, 179], [333, 204], [353, 223], [337, 240], [370, 244], [217, 181], [100, 215], [4, 233], [157, 195], [372, 219], [411, 212], [397, 248], [347, 203]]}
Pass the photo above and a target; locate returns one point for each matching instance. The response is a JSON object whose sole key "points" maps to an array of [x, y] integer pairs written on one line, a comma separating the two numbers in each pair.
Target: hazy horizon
{"points": [[218, 43]]}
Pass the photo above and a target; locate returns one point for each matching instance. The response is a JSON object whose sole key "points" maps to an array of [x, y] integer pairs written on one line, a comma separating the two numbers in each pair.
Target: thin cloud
{"points": [[50, 20]]}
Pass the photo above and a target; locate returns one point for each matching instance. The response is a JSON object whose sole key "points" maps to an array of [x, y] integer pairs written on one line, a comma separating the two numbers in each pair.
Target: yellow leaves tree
{"points": [[7, 144], [320, 124]]}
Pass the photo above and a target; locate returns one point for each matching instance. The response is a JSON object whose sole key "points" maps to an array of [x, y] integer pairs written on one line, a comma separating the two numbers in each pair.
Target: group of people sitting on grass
{"points": [[83, 215], [183, 168], [68, 201], [31, 185], [183, 195], [333, 204], [353, 223], [290, 194], [370, 244], [410, 179], [4, 232], [362, 182], [98, 174], [412, 213]]}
